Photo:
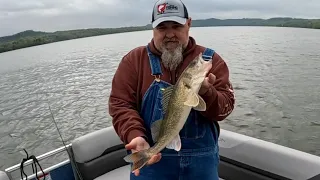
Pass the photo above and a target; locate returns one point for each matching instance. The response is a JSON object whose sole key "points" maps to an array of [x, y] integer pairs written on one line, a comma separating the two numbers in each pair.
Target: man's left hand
{"points": [[207, 83]]}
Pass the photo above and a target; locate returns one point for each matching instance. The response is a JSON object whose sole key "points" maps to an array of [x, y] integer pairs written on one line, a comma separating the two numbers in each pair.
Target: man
{"points": [[135, 99]]}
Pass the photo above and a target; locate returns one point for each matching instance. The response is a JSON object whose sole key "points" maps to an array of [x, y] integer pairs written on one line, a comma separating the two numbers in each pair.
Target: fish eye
{"points": [[187, 85]]}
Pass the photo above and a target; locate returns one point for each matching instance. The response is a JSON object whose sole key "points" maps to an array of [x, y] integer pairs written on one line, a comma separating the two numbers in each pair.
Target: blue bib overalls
{"points": [[198, 157]]}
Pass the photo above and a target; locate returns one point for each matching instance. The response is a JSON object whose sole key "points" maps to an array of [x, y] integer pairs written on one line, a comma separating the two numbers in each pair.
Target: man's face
{"points": [[170, 35]]}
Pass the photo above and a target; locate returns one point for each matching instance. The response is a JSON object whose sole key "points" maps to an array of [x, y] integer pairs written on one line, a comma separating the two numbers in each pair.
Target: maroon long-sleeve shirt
{"points": [[133, 78]]}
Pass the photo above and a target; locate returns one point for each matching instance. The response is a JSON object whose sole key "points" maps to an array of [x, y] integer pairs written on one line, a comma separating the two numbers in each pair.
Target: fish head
{"points": [[196, 72]]}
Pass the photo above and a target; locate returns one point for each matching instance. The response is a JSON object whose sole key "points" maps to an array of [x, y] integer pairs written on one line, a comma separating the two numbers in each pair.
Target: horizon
{"points": [[35, 30], [60, 15]]}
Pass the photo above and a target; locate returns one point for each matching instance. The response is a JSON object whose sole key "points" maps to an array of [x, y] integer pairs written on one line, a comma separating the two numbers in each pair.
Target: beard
{"points": [[172, 58]]}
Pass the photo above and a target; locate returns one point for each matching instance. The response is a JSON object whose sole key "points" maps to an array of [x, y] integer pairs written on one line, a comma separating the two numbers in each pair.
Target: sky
{"points": [[56, 15]]}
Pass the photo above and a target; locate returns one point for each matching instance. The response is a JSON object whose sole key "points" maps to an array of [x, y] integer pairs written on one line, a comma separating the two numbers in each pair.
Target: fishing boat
{"points": [[99, 156]]}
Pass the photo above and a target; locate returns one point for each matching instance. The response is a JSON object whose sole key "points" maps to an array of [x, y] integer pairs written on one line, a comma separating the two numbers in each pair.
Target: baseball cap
{"points": [[169, 10]]}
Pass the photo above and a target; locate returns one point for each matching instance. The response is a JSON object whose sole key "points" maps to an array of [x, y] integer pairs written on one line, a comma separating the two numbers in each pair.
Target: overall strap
{"points": [[154, 63], [207, 54]]}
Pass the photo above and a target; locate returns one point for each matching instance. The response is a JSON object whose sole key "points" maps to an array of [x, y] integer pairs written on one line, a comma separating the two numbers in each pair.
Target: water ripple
{"points": [[275, 75]]}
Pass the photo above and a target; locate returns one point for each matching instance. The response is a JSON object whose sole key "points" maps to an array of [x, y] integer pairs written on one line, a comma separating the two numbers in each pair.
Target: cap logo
{"points": [[162, 8], [165, 6]]}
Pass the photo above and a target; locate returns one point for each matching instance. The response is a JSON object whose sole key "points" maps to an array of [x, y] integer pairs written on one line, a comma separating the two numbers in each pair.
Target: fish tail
{"points": [[139, 159]]}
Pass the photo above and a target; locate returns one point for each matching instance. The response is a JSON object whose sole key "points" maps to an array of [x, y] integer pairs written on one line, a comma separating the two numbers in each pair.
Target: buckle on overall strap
{"points": [[207, 54], [157, 78], [154, 64]]}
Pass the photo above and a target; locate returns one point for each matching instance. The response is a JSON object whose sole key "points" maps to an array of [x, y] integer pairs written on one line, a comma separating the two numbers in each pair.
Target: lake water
{"points": [[275, 73]]}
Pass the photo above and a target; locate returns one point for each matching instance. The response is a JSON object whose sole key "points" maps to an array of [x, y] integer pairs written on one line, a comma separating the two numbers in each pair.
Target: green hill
{"points": [[33, 38], [21, 35]]}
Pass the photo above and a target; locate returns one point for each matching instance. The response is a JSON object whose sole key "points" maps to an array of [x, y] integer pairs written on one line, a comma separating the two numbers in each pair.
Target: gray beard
{"points": [[171, 59]]}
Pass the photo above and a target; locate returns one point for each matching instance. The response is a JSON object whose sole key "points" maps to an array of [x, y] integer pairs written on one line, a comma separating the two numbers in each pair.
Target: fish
{"points": [[177, 102]]}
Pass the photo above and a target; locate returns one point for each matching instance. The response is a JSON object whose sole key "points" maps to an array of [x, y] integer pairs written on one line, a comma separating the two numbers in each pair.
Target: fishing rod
{"points": [[70, 156]]}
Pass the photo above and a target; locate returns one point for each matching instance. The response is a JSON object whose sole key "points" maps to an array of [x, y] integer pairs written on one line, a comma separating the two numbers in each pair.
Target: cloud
{"points": [[53, 15]]}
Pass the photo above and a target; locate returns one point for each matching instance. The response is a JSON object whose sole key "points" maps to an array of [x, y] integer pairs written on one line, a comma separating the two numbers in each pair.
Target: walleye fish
{"points": [[177, 101]]}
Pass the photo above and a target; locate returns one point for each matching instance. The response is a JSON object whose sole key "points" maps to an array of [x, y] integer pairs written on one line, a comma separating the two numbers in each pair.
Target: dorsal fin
{"points": [[166, 94]]}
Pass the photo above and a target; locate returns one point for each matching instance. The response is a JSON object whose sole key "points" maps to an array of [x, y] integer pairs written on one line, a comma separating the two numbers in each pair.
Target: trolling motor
{"points": [[34, 166]]}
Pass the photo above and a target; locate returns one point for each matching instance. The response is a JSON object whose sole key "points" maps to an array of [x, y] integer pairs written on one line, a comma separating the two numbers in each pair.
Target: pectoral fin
{"points": [[155, 130], [201, 106], [192, 99], [175, 143]]}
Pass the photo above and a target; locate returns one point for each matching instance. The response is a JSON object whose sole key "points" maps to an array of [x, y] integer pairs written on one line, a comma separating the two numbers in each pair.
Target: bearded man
{"points": [[135, 100]]}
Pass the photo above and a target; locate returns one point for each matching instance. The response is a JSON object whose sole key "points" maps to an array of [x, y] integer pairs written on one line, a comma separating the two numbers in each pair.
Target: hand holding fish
{"points": [[138, 144], [207, 83]]}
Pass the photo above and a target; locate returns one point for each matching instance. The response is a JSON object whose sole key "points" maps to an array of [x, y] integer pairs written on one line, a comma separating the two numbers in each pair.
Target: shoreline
{"points": [[32, 38]]}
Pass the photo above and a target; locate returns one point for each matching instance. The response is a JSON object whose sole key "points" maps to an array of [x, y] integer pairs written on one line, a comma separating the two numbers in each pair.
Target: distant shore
{"points": [[31, 38]]}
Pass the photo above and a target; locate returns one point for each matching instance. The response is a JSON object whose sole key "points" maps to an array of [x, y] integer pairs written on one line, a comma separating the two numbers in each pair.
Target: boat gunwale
{"points": [[40, 157], [235, 140]]}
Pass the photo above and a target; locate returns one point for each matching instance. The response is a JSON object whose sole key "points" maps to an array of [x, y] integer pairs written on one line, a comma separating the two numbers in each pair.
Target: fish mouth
{"points": [[206, 64], [208, 67]]}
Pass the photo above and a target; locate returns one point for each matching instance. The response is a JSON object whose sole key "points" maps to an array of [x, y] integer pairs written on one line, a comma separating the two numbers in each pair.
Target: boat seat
{"points": [[3, 176], [98, 153], [122, 173], [99, 156]]}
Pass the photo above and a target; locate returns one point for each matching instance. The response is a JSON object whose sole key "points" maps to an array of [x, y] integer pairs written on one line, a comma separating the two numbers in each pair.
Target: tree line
{"points": [[33, 38]]}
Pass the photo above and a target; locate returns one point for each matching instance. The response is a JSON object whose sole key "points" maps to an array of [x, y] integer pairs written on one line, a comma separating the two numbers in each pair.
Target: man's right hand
{"points": [[138, 144]]}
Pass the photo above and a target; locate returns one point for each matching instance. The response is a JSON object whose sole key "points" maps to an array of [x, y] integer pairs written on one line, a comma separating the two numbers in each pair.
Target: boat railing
{"points": [[14, 168]]}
